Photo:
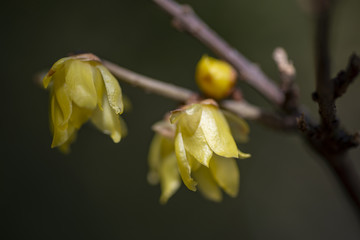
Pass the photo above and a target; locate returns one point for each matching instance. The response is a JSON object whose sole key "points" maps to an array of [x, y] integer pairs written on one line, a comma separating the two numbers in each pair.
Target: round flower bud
{"points": [[214, 77]]}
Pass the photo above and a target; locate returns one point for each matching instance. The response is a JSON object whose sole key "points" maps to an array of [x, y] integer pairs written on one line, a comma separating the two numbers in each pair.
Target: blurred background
{"points": [[100, 191]]}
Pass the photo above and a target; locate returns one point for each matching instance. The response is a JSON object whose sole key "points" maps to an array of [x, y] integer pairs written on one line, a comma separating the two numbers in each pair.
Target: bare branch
{"points": [[287, 76], [324, 85], [240, 108], [186, 20], [346, 77]]}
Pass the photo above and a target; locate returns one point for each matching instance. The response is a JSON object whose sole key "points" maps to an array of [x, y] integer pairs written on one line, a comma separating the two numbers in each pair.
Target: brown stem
{"points": [[324, 85], [240, 108], [186, 20]]}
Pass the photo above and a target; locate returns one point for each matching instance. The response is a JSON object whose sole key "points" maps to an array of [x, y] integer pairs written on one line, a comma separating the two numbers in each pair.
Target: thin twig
{"points": [[346, 77], [240, 108], [186, 20]]}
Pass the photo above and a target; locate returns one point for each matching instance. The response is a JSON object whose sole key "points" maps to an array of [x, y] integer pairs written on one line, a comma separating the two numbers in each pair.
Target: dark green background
{"points": [[100, 191]]}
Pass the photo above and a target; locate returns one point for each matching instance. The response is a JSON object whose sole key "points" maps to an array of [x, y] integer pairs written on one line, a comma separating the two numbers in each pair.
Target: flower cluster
{"points": [[204, 150], [81, 88]]}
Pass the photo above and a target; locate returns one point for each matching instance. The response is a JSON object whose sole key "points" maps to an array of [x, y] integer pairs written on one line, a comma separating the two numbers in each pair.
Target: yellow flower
{"points": [[162, 164], [203, 149], [203, 142], [214, 77], [82, 89]]}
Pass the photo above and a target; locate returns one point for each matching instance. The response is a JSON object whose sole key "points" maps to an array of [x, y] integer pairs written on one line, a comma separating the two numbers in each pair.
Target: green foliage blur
{"points": [[100, 191]]}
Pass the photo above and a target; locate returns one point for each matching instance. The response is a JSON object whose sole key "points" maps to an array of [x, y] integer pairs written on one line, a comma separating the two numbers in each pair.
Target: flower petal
{"points": [[183, 164], [226, 173], [170, 179], [62, 96], [57, 66], [113, 89], [207, 185], [217, 132], [238, 127], [197, 146], [190, 119], [108, 122], [99, 86], [79, 116], [79, 79]]}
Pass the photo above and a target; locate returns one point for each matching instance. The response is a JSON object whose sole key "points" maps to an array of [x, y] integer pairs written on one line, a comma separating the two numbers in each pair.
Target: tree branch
{"points": [[346, 77], [240, 108], [186, 20]]}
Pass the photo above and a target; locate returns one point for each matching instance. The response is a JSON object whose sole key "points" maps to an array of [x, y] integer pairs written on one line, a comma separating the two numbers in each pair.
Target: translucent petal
{"points": [[194, 164], [62, 96], [226, 173], [170, 179], [190, 119], [113, 90], [57, 66], [65, 147], [183, 164], [154, 159], [207, 185], [99, 86], [60, 134], [79, 79], [79, 116], [107, 121], [238, 126], [217, 132], [197, 146], [243, 155]]}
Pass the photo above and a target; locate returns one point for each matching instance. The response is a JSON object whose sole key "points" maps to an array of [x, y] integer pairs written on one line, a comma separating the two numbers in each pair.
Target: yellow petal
{"points": [[113, 90], [61, 133], [217, 132], [243, 155], [79, 79], [79, 116], [65, 147], [197, 146], [62, 96], [99, 86], [238, 126], [226, 173], [194, 164], [170, 179], [207, 185], [108, 122], [183, 164], [57, 66], [190, 119], [154, 159]]}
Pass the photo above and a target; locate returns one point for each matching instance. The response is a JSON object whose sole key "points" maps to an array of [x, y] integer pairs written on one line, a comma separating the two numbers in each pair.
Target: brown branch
{"points": [[287, 76], [346, 77], [240, 108], [185, 19], [324, 85]]}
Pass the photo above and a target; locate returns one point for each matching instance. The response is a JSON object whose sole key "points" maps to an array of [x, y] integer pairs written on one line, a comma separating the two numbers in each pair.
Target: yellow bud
{"points": [[214, 77]]}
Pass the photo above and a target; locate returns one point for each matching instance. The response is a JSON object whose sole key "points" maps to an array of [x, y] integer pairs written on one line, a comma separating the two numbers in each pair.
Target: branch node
{"points": [[346, 77]]}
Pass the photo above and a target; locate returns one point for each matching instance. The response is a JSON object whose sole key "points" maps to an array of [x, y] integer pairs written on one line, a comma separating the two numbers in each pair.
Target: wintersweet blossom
{"points": [[81, 88], [200, 151]]}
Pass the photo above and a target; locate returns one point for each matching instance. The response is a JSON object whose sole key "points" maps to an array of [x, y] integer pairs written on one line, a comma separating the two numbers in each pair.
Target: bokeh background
{"points": [[100, 191]]}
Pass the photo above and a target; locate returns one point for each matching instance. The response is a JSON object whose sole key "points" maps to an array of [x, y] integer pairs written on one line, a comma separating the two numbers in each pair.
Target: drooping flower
{"points": [[162, 162], [203, 139], [81, 88], [214, 77], [201, 152]]}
